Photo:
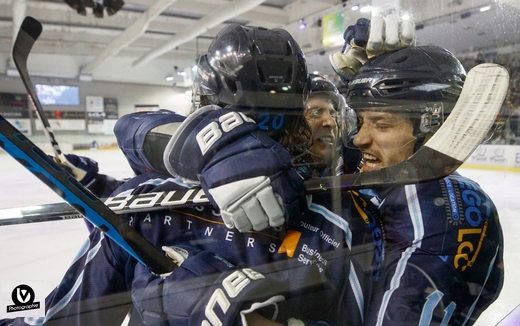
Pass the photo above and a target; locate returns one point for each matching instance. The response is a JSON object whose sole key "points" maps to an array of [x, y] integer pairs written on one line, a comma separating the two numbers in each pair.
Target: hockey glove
{"points": [[204, 290], [244, 173], [367, 39], [82, 168]]}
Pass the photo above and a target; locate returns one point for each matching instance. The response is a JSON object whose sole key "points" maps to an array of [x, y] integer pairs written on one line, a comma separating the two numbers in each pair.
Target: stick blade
{"points": [[32, 27], [474, 113], [29, 32]]}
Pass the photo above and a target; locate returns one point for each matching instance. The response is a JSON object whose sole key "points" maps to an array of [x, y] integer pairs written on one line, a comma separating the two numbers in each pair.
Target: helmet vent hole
{"points": [[261, 74], [401, 59], [231, 85], [395, 86]]}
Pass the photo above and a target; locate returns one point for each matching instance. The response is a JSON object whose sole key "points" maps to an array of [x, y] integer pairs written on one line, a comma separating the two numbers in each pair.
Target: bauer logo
{"points": [[22, 299]]}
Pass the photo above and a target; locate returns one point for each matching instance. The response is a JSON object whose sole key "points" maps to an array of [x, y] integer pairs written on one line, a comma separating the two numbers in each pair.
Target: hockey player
{"points": [[300, 271], [443, 241], [321, 113]]}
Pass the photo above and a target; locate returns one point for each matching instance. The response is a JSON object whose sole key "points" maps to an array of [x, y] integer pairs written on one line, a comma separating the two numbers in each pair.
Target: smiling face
{"points": [[320, 115], [384, 139]]}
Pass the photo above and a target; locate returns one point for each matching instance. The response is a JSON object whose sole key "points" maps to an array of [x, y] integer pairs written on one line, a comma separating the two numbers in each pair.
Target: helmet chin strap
{"points": [[421, 140]]}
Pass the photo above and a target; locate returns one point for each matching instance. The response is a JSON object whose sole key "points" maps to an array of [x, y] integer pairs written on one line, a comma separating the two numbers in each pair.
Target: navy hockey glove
{"points": [[367, 39], [82, 168], [204, 290], [244, 173]]}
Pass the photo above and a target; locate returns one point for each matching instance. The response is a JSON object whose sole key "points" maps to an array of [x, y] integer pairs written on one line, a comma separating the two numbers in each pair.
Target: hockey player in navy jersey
{"points": [[322, 114], [443, 241]]}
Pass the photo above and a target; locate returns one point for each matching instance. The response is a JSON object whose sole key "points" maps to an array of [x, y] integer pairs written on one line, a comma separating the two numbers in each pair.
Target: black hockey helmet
{"points": [[423, 81], [261, 72], [321, 86]]}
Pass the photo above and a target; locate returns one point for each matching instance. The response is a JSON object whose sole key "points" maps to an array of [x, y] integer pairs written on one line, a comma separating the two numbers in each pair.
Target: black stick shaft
{"points": [[27, 36]]}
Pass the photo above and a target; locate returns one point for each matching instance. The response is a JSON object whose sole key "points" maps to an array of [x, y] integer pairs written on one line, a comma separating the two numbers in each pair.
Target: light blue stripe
{"points": [[67, 298], [448, 312], [356, 289], [344, 225], [490, 268], [414, 209], [336, 220], [431, 302]]}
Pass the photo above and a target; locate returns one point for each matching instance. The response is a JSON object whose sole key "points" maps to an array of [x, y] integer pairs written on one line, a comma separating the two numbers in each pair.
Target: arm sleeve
{"points": [[93, 290]]}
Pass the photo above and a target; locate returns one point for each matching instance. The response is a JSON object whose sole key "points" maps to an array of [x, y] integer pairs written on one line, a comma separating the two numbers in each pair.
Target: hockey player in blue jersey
{"points": [[322, 113], [443, 241]]}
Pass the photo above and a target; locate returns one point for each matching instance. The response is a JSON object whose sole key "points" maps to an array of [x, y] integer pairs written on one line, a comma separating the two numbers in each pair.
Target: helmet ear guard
{"points": [[432, 118]]}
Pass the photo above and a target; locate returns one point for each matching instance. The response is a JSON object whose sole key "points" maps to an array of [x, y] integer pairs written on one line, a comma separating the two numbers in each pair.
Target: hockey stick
{"points": [[29, 31], [470, 120], [54, 176]]}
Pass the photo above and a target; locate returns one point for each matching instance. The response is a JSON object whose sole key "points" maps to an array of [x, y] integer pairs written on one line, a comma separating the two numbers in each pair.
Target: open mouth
{"points": [[371, 162], [326, 139]]}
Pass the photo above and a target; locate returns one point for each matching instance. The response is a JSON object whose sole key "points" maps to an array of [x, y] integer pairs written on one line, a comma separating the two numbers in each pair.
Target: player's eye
{"points": [[318, 113]]}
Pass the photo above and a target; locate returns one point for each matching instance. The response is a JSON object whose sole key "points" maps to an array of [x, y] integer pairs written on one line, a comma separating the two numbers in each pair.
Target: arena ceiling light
{"points": [[98, 7], [366, 9]]}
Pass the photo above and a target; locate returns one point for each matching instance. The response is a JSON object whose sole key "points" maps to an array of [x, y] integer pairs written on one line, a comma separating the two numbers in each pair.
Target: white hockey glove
{"points": [[246, 204], [367, 39]]}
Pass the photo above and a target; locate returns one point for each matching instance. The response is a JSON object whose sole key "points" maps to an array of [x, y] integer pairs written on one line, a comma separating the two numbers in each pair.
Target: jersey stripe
{"points": [[344, 225], [414, 208], [67, 298]]}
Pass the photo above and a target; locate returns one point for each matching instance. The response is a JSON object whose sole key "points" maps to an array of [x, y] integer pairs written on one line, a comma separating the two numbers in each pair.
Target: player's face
{"points": [[320, 115], [384, 139]]}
